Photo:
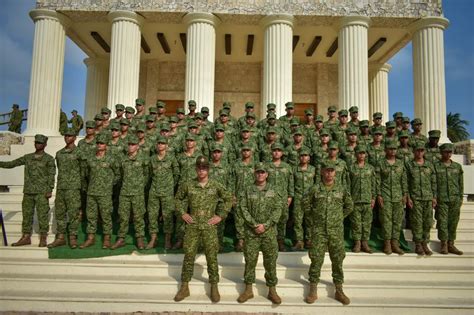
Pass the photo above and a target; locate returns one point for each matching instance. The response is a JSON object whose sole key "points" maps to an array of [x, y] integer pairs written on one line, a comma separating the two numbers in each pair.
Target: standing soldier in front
{"points": [[208, 203], [450, 184], [327, 203], [38, 186], [16, 119]]}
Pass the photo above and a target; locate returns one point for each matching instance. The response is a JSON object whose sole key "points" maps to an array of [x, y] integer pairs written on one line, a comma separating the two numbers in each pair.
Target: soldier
{"points": [[87, 147], [405, 124], [164, 170], [151, 131], [140, 107], [106, 114], [62, 122], [192, 111], [422, 191], [432, 152], [76, 122], [271, 109], [450, 185], [417, 135], [320, 152], [153, 112], [292, 150], [161, 113], [273, 123], [390, 132], [249, 108], [327, 204], [339, 130], [404, 151], [119, 111], [228, 153], [348, 151], [342, 174], [247, 140], [332, 118], [16, 119], [376, 148], [180, 114], [364, 137], [99, 123], [398, 118], [308, 121], [38, 186], [290, 114], [265, 148], [260, 206], [354, 113], [205, 113], [377, 119], [201, 141], [129, 114], [312, 139], [67, 203], [103, 172], [145, 145], [124, 128], [208, 203], [363, 189], [392, 197]]}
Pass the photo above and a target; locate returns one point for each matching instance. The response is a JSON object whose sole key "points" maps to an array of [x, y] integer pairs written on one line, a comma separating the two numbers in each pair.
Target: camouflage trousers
{"points": [[447, 216], [334, 243], [28, 205], [361, 221], [421, 219], [281, 226], [193, 239], [269, 247], [94, 205], [298, 214], [239, 222], [136, 204], [166, 204], [391, 218], [67, 206]]}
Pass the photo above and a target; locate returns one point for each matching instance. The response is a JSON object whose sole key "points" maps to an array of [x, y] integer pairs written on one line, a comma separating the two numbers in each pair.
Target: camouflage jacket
{"points": [[134, 173], [242, 176], [222, 174], [375, 154], [363, 183], [187, 166], [69, 168], [450, 181], [391, 180], [281, 178], [421, 180], [304, 179], [165, 175], [102, 173]]}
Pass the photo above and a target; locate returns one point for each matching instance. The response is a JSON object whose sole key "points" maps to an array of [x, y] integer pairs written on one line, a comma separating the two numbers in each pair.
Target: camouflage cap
{"points": [[378, 130], [165, 127], [351, 131], [271, 106], [403, 134], [364, 123], [250, 115], [190, 136], [219, 127], [90, 124], [180, 110], [73, 111], [390, 124], [277, 146], [249, 105], [271, 116], [125, 121], [205, 109], [102, 137], [69, 132], [226, 105], [333, 145], [419, 145], [15, 106], [406, 119], [161, 139], [202, 162], [130, 109], [192, 124], [324, 132], [99, 117], [245, 128], [377, 115], [332, 108], [173, 119], [105, 110], [153, 110], [397, 115], [192, 103], [149, 118], [223, 112], [342, 112], [217, 147], [328, 164], [160, 104], [294, 121], [416, 121], [141, 127], [353, 109], [308, 112], [271, 130], [199, 115], [319, 118], [446, 147], [434, 133], [120, 107], [289, 105], [114, 125], [298, 131], [360, 148], [391, 144], [140, 101], [132, 139], [245, 147], [304, 151], [260, 167]]}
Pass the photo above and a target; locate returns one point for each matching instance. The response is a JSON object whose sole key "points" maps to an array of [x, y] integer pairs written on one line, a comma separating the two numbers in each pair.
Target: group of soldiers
{"points": [[190, 173]]}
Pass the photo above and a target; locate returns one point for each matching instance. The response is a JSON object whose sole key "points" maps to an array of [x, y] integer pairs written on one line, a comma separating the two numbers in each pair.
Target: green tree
{"points": [[457, 128]]}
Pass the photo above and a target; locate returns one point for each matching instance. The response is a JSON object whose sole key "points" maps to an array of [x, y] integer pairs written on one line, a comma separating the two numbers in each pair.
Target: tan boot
{"points": [[239, 246], [215, 296], [308, 244], [153, 240], [444, 248], [452, 249], [106, 242], [340, 296], [25, 239], [313, 293], [168, 241], [387, 248], [182, 293], [89, 242], [140, 243], [120, 242], [59, 241], [281, 246], [247, 294], [178, 244], [426, 249], [43, 240], [418, 249], [273, 295], [365, 247], [396, 248], [73, 241], [356, 248], [299, 245]]}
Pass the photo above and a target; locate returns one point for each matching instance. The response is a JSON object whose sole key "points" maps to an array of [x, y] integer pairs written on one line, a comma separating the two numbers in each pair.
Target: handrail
{"points": [[5, 117]]}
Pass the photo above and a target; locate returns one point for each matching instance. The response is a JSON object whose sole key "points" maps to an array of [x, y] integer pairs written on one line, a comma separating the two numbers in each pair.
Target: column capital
{"points": [[380, 67], [124, 15], [277, 19], [41, 14], [429, 22], [90, 61], [201, 17], [354, 20]]}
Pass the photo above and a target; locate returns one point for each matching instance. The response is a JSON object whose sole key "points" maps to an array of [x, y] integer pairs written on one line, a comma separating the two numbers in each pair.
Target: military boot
{"points": [[299, 245], [215, 296], [281, 246], [340, 296], [418, 249], [387, 248], [366, 248], [24, 240], [120, 242], [59, 241], [396, 248], [168, 241], [313, 293], [426, 249], [444, 248], [239, 246], [308, 244], [140, 243], [43, 240], [182, 293], [356, 248], [273, 295], [247, 294], [73, 241], [106, 242], [178, 244], [152, 243], [452, 249], [89, 242]]}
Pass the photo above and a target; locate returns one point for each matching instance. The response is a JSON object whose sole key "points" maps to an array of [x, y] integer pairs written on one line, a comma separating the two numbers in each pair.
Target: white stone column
{"points": [[428, 74], [96, 86], [277, 62], [200, 59], [353, 64], [124, 58], [378, 90], [47, 70]]}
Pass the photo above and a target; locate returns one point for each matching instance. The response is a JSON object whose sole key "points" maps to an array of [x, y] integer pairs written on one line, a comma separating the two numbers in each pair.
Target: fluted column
{"points": [[378, 89], [277, 62], [428, 73], [124, 58], [353, 64], [47, 70], [201, 59], [96, 86]]}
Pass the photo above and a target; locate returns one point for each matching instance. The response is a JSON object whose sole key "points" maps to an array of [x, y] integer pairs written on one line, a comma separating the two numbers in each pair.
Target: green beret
{"points": [[419, 145], [328, 164], [219, 127], [139, 101], [140, 127], [114, 125], [204, 109], [153, 110], [354, 109], [69, 132], [130, 109], [250, 115], [277, 146], [319, 118], [260, 167], [378, 130], [304, 151], [132, 139], [333, 145], [180, 110], [360, 148], [149, 118], [390, 144], [173, 119], [165, 127], [202, 162], [416, 121], [245, 128], [324, 132], [190, 136], [271, 106], [98, 117], [271, 116], [226, 105], [161, 139], [223, 112], [125, 121], [191, 103], [102, 137], [120, 107], [217, 147], [290, 105], [105, 110], [332, 108], [397, 115], [364, 123], [403, 134], [90, 124], [434, 133], [390, 124], [377, 115], [249, 105], [271, 130], [343, 112], [446, 147], [160, 104], [308, 112]]}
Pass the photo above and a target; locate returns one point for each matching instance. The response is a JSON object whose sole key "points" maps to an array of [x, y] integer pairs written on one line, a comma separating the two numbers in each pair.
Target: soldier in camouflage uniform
{"points": [[392, 197], [271, 109], [192, 111], [332, 118], [390, 132], [364, 137], [246, 139], [76, 122], [106, 114], [116, 145], [161, 113], [67, 204], [339, 131], [16, 119], [140, 107], [292, 150], [417, 135], [103, 172], [119, 111], [376, 149], [404, 151], [342, 174], [124, 128], [208, 203], [308, 124], [422, 190], [320, 151], [363, 189], [450, 185], [242, 121], [99, 119], [348, 151], [432, 152], [38, 186], [260, 206], [398, 119], [290, 114], [312, 139], [62, 122], [87, 147], [377, 119], [327, 204], [354, 113], [265, 147]]}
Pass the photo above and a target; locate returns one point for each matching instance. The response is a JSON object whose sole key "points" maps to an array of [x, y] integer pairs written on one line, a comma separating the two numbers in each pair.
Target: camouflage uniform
{"points": [[62, 122], [77, 123], [16, 120], [376, 154], [242, 176], [304, 180]]}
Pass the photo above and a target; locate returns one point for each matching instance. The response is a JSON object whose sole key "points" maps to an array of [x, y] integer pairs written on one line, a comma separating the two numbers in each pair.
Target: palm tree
{"points": [[457, 128]]}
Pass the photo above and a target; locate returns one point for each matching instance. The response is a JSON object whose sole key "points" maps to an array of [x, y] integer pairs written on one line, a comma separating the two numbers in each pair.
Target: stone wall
{"points": [[7, 138]]}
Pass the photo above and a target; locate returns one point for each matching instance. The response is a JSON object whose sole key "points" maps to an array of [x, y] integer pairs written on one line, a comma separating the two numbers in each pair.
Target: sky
{"points": [[16, 45]]}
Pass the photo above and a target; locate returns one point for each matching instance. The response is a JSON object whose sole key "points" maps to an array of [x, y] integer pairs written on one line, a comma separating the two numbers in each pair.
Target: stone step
{"points": [[461, 234]]}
